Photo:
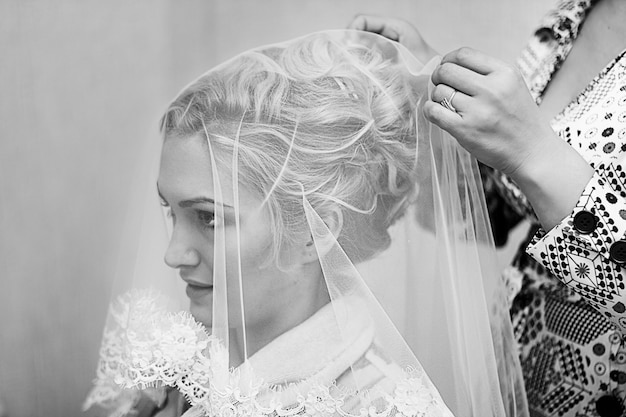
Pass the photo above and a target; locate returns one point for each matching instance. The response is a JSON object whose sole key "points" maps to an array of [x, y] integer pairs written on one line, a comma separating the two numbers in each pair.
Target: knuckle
{"points": [[436, 92], [463, 53], [499, 89], [511, 72], [427, 110], [435, 76], [450, 56], [497, 93], [430, 111], [444, 70]]}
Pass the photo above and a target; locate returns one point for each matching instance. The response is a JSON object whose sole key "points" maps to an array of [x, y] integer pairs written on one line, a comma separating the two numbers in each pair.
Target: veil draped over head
{"points": [[333, 245]]}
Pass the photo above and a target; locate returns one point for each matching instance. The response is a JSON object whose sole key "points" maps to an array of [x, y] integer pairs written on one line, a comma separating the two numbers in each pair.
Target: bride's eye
{"points": [[206, 218]]}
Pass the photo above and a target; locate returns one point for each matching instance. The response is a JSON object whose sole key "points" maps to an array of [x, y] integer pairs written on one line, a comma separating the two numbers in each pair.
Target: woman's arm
{"points": [[580, 201]]}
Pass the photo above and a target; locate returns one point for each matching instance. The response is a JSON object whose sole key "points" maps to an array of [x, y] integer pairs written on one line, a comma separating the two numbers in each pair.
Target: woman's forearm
{"points": [[553, 178]]}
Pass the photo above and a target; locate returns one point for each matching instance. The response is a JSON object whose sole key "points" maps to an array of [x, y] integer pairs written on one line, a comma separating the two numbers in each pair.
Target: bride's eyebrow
{"points": [[199, 200], [192, 201]]}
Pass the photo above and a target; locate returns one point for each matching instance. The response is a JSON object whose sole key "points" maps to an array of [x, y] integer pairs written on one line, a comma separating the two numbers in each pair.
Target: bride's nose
{"points": [[179, 253]]}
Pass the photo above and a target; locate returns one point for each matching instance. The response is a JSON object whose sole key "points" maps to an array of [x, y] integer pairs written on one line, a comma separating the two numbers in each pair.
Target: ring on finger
{"points": [[447, 102]]}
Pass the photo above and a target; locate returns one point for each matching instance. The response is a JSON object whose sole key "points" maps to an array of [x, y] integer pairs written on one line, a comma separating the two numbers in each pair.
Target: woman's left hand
{"points": [[492, 114], [496, 119]]}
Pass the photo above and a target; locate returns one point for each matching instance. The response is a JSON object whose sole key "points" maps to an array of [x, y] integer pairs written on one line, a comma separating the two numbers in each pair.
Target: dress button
{"points": [[617, 253], [609, 406], [585, 222]]}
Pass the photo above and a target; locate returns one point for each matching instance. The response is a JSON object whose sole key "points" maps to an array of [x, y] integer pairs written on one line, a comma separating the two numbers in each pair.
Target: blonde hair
{"points": [[333, 119]]}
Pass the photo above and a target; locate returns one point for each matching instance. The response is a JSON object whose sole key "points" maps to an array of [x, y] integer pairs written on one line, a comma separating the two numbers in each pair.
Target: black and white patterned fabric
{"points": [[567, 285]]}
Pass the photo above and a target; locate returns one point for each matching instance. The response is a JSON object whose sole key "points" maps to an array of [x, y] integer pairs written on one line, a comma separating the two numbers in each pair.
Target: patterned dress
{"points": [[568, 298]]}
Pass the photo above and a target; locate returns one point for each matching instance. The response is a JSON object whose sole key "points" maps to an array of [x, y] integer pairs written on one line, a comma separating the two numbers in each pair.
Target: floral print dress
{"points": [[568, 298]]}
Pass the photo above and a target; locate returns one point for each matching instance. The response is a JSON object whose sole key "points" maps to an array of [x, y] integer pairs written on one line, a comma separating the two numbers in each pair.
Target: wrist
{"points": [[536, 160], [553, 177]]}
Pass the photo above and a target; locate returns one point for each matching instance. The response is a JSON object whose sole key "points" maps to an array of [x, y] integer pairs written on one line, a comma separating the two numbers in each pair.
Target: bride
{"points": [[287, 175]]}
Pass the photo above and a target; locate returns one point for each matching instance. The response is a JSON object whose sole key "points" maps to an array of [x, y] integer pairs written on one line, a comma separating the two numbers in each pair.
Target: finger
{"points": [[442, 117], [473, 60], [458, 99], [375, 24], [358, 23], [459, 78]]}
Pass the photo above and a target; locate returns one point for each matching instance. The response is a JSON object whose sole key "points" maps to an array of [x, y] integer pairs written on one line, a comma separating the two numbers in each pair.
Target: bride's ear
{"points": [[322, 237]]}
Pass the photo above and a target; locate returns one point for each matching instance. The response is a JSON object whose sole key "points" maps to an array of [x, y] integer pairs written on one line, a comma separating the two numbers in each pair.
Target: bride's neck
{"points": [[303, 303]]}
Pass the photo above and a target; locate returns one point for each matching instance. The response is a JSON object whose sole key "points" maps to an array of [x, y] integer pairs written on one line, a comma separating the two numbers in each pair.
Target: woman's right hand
{"points": [[397, 30]]}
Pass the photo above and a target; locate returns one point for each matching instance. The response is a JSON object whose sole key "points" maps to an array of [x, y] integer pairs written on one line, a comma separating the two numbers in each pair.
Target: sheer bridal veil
{"points": [[328, 249]]}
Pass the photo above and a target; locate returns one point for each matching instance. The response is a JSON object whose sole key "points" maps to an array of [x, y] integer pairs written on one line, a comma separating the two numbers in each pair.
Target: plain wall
{"points": [[82, 85]]}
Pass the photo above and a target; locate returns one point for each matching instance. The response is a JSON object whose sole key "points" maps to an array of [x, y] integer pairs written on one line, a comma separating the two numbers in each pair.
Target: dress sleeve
{"points": [[587, 249]]}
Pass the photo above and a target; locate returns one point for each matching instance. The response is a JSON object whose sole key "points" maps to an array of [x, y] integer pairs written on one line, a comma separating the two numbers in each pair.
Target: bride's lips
{"points": [[197, 289]]}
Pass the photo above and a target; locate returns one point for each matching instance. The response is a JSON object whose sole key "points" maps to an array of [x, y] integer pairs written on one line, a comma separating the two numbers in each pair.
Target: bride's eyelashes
{"points": [[206, 218], [167, 210]]}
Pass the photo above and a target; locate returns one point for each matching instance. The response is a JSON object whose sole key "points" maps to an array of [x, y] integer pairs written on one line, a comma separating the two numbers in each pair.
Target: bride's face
{"points": [[186, 185]]}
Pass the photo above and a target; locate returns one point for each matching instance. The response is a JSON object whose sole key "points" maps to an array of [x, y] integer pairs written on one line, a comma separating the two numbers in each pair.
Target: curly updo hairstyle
{"points": [[334, 119]]}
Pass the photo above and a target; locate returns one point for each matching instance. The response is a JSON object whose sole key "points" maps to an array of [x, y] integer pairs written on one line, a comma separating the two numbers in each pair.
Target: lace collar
{"points": [[147, 348]]}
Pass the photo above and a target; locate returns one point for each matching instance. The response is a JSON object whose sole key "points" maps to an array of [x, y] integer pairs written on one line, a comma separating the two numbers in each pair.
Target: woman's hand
{"points": [[495, 118], [397, 30]]}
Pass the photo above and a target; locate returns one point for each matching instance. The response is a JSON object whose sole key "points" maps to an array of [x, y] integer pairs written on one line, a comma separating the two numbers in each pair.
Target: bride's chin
{"points": [[202, 313]]}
